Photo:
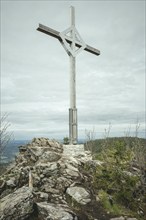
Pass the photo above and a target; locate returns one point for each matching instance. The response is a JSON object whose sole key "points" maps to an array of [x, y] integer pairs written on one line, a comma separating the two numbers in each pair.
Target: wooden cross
{"points": [[73, 44]]}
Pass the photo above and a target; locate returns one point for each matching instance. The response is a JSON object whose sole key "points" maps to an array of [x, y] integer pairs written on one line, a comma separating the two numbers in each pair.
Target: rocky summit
{"points": [[45, 183]]}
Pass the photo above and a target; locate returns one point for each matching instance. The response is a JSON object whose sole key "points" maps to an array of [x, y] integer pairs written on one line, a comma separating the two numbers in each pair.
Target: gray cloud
{"points": [[35, 67]]}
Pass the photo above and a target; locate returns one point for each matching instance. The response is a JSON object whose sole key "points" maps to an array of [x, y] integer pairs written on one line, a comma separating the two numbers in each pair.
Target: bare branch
{"points": [[5, 135]]}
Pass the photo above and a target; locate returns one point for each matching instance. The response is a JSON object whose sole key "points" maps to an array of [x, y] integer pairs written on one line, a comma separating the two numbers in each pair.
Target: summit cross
{"points": [[73, 44]]}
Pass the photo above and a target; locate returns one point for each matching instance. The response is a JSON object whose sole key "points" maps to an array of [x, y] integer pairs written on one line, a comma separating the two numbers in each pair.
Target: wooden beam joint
{"points": [[54, 33]]}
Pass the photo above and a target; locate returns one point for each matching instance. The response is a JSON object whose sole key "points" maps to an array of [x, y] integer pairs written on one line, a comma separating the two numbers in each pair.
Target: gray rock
{"points": [[118, 218], [44, 196], [36, 179], [131, 218], [62, 183], [11, 182], [37, 151], [79, 194], [72, 173], [97, 198], [55, 146], [69, 160], [48, 169], [49, 156], [51, 183], [51, 190], [54, 212], [42, 176], [70, 167], [17, 205], [44, 144], [2, 184]]}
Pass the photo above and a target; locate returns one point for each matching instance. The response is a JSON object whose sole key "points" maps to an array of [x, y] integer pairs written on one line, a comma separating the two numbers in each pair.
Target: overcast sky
{"points": [[35, 67]]}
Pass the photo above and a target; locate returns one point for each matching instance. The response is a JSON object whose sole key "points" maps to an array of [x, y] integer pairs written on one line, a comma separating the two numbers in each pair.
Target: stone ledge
{"points": [[73, 150]]}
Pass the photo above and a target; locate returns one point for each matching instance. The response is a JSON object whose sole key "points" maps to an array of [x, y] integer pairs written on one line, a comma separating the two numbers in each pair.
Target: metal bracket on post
{"points": [[77, 40]]}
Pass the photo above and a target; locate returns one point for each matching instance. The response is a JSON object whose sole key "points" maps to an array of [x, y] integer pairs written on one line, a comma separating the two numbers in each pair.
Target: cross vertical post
{"points": [[73, 133]]}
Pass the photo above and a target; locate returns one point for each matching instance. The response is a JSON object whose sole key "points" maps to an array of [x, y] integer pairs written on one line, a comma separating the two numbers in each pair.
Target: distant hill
{"points": [[11, 150]]}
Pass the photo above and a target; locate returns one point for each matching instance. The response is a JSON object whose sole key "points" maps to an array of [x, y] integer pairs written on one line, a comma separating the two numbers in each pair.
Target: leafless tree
{"points": [[90, 137], [5, 135]]}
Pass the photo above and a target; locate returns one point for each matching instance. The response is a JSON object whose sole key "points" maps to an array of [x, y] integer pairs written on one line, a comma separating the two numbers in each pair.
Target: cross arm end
{"points": [[48, 31], [92, 50]]}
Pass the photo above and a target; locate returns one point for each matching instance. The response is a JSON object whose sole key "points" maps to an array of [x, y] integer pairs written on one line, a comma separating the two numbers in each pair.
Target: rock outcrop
{"points": [[46, 183]]}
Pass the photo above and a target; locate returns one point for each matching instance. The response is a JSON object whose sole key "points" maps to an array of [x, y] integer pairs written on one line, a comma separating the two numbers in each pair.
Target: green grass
{"points": [[114, 208]]}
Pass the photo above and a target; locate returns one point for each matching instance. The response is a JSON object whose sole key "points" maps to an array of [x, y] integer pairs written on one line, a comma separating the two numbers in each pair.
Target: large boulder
{"points": [[79, 194], [54, 212], [17, 205]]}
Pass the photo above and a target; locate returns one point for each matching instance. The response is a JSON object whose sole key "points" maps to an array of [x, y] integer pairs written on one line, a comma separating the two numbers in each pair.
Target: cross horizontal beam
{"points": [[54, 33]]}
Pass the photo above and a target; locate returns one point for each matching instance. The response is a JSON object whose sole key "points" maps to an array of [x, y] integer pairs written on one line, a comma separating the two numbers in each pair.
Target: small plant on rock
{"points": [[66, 140]]}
